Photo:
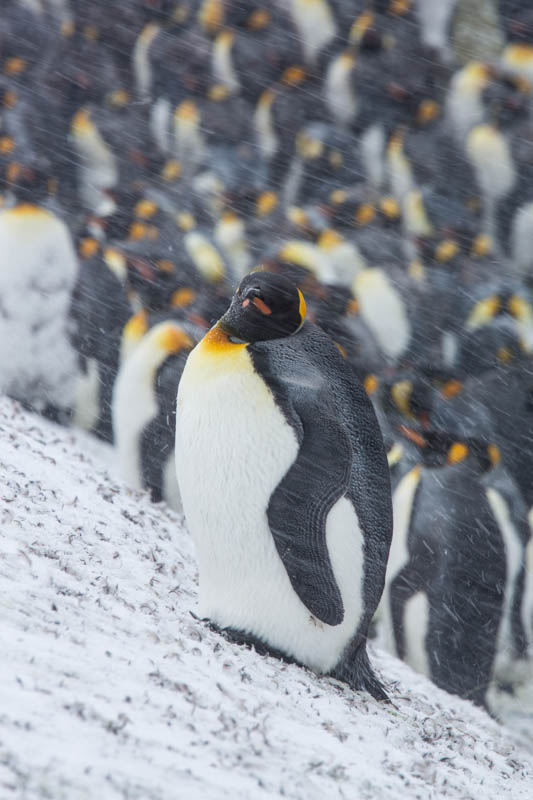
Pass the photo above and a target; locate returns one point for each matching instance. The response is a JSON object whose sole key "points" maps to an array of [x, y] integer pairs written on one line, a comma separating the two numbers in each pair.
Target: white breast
{"points": [[233, 446], [402, 506], [513, 563], [134, 405]]}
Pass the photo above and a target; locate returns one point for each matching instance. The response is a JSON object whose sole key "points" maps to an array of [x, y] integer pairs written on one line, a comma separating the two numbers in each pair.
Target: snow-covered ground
{"points": [[110, 688]]}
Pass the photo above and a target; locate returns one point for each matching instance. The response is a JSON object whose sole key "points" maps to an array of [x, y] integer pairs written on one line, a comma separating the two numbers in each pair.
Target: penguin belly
{"points": [[233, 447], [134, 405]]}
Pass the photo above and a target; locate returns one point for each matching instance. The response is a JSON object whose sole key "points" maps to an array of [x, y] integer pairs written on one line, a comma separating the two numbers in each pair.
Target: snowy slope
{"points": [[109, 688]]}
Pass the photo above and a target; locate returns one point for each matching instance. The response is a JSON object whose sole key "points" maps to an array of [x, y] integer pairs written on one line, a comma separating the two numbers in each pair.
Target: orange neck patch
{"points": [[217, 342]]}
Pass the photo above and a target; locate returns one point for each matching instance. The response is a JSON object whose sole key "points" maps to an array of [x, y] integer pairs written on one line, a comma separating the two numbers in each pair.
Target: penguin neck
{"points": [[217, 356], [218, 342]]}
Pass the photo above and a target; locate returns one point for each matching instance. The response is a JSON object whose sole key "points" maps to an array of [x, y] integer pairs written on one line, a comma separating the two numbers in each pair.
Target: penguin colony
{"points": [[378, 154]]}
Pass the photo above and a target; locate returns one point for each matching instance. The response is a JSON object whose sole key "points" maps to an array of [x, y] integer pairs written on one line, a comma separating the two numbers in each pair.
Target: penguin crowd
{"points": [[376, 153]]}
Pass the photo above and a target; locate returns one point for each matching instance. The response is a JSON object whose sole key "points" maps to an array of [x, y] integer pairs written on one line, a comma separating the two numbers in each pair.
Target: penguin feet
{"points": [[355, 670]]}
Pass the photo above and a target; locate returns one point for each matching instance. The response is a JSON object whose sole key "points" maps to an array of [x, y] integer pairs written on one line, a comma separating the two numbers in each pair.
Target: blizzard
{"points": [[111, 687]]}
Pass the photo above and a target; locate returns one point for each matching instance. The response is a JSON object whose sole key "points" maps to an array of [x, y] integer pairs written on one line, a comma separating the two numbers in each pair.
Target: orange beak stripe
{"points": [[261, 305], [412, 435]]}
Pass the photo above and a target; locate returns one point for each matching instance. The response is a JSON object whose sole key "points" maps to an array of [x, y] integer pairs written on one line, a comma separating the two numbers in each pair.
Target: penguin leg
{"points": [[354, 669]]}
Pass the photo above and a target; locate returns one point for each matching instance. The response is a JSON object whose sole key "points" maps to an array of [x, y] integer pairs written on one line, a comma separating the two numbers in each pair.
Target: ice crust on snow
{"points": [[110, 687]]}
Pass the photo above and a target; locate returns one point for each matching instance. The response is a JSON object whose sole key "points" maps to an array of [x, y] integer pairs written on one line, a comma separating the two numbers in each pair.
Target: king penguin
{"points": [[285, 486], [144, 410]]}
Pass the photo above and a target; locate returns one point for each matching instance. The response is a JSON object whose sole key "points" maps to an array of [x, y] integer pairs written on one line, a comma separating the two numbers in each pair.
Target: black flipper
{"points": [[299, 507]]}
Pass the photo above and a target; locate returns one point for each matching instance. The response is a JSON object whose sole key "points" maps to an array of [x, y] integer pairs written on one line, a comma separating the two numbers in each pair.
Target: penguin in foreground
{"points": [[294, 529]]}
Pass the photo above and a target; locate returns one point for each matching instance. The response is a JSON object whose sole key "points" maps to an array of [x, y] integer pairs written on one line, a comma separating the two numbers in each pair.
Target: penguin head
{"points": [[265, 306]]}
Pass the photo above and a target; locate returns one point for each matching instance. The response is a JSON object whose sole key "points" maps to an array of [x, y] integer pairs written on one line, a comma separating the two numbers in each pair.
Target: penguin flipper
{"points": [[300, 504]]}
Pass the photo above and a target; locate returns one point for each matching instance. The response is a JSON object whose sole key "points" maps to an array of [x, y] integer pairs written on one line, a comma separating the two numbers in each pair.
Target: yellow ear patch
{"points": [[451, 388], [297, 216], [399, 7], [218, 92], [187, 111], [145, 209], [483, 312], [302, 308], [88, 247], [14, 66], [446, 250], [482, 245], [341, 349], [10, 99], [457, 453], [389, 207], [505, 354], [520, 308], [266, 203], [81, 123], [185, 221], [371, 384], [135, 327], [172, 339], [182, 298], [115, 260], [293, 76], [258, 19], [171, 171], [394, 455], [401, 393], [329, 238], [338, 196], [494, 454], [352, 307], [427, 111], [365, 214], [363, 22], [211, 15], [7, 145]]}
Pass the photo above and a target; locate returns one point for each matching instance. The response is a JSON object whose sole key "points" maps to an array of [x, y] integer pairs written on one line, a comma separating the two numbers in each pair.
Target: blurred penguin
{"points": [[38, 271], [144, 410]]}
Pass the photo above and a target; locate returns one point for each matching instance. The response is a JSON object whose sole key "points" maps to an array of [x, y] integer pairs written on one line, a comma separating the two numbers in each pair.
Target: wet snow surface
{"points": [[111, 689]]}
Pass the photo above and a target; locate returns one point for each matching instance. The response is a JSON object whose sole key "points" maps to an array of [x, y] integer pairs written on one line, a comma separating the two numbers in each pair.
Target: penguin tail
{"points": [[355, 669]]}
